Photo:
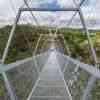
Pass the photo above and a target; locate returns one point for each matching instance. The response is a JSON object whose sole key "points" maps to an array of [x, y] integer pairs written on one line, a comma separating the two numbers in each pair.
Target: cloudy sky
{"points": [[91, 11]]}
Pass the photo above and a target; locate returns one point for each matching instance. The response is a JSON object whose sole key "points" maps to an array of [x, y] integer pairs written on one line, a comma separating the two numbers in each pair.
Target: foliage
{"points": [[23, 43], [26, 36]]}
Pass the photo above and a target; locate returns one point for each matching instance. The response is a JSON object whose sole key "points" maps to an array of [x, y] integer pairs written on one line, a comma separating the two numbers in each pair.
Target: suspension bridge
{"points": [[50, 75]]}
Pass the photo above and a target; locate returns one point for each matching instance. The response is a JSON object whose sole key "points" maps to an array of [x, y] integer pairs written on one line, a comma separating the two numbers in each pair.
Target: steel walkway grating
{"points": [[50, 85]]}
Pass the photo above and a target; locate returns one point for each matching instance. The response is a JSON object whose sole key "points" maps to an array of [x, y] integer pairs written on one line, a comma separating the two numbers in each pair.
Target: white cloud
{"points": [[91, 12], [66, 3]]}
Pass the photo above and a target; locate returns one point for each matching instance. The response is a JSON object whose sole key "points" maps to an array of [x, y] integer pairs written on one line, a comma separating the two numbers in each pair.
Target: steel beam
{"points": [[49, 9], [89, 87], [8, 87], [11, 36], [88, 37], [70, 21], [92, 79], [34, 18]]}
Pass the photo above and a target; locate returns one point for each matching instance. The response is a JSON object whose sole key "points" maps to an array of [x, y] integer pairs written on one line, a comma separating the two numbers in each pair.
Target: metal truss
{"points": [[94, 72]]}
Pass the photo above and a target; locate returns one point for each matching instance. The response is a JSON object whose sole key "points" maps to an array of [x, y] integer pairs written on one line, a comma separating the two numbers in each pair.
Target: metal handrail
{"points": [[86, 67], [7, 67]]}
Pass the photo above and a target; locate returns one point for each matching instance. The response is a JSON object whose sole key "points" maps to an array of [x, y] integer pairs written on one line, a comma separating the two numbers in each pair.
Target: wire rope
{"points": [[14, 10]]}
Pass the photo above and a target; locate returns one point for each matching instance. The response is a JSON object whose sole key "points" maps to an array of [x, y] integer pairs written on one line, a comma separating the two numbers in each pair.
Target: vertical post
{"points": [[92, 79], [34, 53], [37, 45], [7, 84], [88, 37], [88, 89], [11, 36], [66, 46], [8, 87]]}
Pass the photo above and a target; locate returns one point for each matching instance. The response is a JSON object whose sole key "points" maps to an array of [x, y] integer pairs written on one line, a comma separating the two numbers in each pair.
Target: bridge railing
{"points": [[21, 76], [78, 77]]}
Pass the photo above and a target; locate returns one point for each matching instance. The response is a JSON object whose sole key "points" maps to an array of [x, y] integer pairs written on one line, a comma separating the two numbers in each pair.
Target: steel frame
{"points": [[44, 9], [8, 87], [17, 19], [50, 9]]}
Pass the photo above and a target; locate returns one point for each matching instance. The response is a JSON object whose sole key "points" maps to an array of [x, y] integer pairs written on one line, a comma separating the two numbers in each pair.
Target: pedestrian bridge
{"points": [[48, 76], [51, 75]]}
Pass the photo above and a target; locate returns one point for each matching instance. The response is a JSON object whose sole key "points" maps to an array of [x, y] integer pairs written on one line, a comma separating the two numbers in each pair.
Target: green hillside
{"points": [[27, 35]]}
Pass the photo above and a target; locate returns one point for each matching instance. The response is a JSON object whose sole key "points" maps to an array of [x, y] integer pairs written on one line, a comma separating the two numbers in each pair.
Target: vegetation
{"points": [[26, 37], [23, 43], [78, 44]]}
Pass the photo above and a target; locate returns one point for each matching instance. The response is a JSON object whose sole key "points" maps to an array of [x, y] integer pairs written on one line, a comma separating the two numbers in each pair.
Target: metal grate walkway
{"points": [[51, 84]]}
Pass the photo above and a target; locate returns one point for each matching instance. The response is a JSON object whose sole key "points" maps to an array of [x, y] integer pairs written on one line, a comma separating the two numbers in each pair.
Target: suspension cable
{"points": [[38, 26], [34, 18], [90, 42], [69, 22], [26, 2], [14, 10], [92, 79], [32, 13]]}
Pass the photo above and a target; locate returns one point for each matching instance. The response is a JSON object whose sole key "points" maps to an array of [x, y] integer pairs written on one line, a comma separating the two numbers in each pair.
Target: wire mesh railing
{"points": [[19, 84], [22, 75]]}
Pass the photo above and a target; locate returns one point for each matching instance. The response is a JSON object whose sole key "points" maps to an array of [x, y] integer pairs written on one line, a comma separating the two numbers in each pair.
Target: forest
{"points": [[26, 37]]}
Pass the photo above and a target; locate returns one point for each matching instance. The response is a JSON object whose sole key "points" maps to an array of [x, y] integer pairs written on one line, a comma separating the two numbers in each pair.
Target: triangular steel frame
{"points": [[76, 10]]}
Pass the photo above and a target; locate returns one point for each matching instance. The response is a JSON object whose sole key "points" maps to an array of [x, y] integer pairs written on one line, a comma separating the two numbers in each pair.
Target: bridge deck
{"points": [[51, 84]]}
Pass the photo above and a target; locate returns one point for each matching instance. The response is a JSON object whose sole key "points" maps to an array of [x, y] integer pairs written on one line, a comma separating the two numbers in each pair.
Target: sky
{"points": [[91, 11]]}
